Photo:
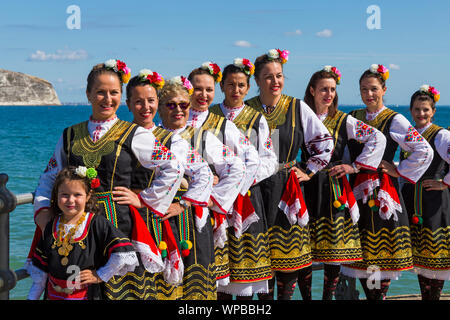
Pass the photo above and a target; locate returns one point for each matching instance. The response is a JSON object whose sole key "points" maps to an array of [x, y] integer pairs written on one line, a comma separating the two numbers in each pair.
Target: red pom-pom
{"points": [[95, 183], [385, 209], [185, 252], [342, 199], [415, 220], [377, 202]]}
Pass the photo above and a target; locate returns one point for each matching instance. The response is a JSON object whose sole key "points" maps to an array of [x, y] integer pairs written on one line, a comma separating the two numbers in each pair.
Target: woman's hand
{"points": [[43, 218], [341, 170], [389, 168], [430, 184], [301, 175], [123, 195], [89, 277], [174, 210], [215, 180]]}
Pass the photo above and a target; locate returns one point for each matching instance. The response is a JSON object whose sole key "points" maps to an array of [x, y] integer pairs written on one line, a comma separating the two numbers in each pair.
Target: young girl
{"points": [[79, 249], [249, 255], [383, 224], [428, 201]]}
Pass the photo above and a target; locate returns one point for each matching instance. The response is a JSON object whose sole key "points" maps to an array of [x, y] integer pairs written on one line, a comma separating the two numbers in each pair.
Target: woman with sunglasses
{"points": [[293, 126], [201, 118], [331, 204], [428, 201], [383, 223], [174, 109], [249, 257], [114, 147]]}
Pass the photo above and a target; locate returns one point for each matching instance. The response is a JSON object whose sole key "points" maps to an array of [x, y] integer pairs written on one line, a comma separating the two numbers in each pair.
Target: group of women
{"points": [[236, 198]]}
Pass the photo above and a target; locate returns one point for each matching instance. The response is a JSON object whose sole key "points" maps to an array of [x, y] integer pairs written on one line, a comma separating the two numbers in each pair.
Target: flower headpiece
{"points": [[89, 173], [119, 67], [155, 79], [277, 53], [431, 91], [245, 65], [183, 81], [213, 69], [335, 71], [381, 70]]}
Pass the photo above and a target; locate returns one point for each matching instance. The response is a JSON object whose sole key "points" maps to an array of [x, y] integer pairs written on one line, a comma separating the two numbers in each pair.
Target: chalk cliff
{"points": [[19, 89]]}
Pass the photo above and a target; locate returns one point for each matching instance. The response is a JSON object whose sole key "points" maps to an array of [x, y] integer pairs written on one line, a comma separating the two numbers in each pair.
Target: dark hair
{"points": [[135, 82], [309, 99], [98, 70], [198, 71], [422, 96], [230, 69], [69, 174], [369, 74], [262, 60]]}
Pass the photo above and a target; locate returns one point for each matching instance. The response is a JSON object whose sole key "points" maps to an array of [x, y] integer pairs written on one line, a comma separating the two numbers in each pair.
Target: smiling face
{"points": [[422, 112], [324, 93], [372, 93], [235, 88], [143, 103], [72, 198], [271, 79], [204, 90], [105, 95], [177, 117]]}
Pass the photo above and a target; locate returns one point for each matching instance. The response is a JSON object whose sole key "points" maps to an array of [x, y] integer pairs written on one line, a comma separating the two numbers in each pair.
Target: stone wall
{"points": [[19, 89]]}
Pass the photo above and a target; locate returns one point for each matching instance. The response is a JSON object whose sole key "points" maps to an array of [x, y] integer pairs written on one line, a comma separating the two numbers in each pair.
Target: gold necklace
{"points": [[65, 241]]}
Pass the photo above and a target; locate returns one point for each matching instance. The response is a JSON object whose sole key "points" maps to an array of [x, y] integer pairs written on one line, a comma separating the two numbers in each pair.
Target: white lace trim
{"points": [[223, 281], [173, 268], [119, 263], [358, 273], [292, 211], [220, 234], [152, 261], [244, 289], [432, 274], [370, 185], [354, 212], [241, 226], [386, 200], [39, 278], [201, 222]]}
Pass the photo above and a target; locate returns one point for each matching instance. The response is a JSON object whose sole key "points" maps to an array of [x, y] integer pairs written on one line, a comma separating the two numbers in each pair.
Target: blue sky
{"points": [[175, 37]]}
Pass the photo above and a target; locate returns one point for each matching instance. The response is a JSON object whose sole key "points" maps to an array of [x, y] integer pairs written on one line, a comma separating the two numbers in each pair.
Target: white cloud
{"points": [[60, 55], [394, 66], [326, 33], [297, 32], [243, 44]]}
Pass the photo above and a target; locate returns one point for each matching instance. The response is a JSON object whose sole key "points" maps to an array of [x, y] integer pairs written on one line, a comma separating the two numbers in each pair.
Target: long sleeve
{"points": [[200, 184], [44, 188], [413, 167], [442, 144], [229, 168], [374, 142], [168, 170], [318, 140], [268, 160], [247, 152]]}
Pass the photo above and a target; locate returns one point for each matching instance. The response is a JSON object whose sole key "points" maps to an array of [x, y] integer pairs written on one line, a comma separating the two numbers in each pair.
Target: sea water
{"points": [[28, 136]]}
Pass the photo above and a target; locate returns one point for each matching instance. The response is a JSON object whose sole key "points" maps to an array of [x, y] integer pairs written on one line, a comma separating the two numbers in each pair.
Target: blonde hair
{"points": [[171, 90]]}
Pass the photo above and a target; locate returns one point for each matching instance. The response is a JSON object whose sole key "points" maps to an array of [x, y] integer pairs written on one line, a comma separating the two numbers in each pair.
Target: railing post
{"points": [[8, 203]]}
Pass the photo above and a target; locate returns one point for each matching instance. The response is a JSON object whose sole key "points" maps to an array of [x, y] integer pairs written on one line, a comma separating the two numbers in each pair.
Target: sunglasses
{"points": [[182, 105]]}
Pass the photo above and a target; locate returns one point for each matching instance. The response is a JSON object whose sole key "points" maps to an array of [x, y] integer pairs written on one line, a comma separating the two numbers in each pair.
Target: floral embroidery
{"points": [[268, 144], [160, 152], [362, 129], [194, 156], [244, 140], [227, 152], [51, 164], [413, 135]]}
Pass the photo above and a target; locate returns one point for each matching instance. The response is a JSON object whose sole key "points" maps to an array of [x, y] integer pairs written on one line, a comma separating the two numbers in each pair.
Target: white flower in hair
{"points": [[327, 68], [145, 72], [374, 68], [273, 54], [111, 63], [424, 88], [238, 62], [207, 65], [81, 171]]}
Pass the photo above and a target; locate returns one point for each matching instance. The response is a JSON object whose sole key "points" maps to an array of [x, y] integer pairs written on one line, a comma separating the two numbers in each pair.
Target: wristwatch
{"points": [[309, 173], [184, 204]]}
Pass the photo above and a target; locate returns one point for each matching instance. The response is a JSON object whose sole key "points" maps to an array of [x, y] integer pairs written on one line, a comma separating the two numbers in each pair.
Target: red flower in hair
{"points": [[216, 68], [95, 183], [245, 62], [121, 65]]}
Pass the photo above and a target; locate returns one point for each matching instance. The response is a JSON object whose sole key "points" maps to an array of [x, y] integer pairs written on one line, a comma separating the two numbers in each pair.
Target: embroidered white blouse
{"points": [[268, 160]]}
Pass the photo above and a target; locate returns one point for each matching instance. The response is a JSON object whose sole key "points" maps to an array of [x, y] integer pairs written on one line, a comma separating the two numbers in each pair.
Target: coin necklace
{"points": [[65, 241]]}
